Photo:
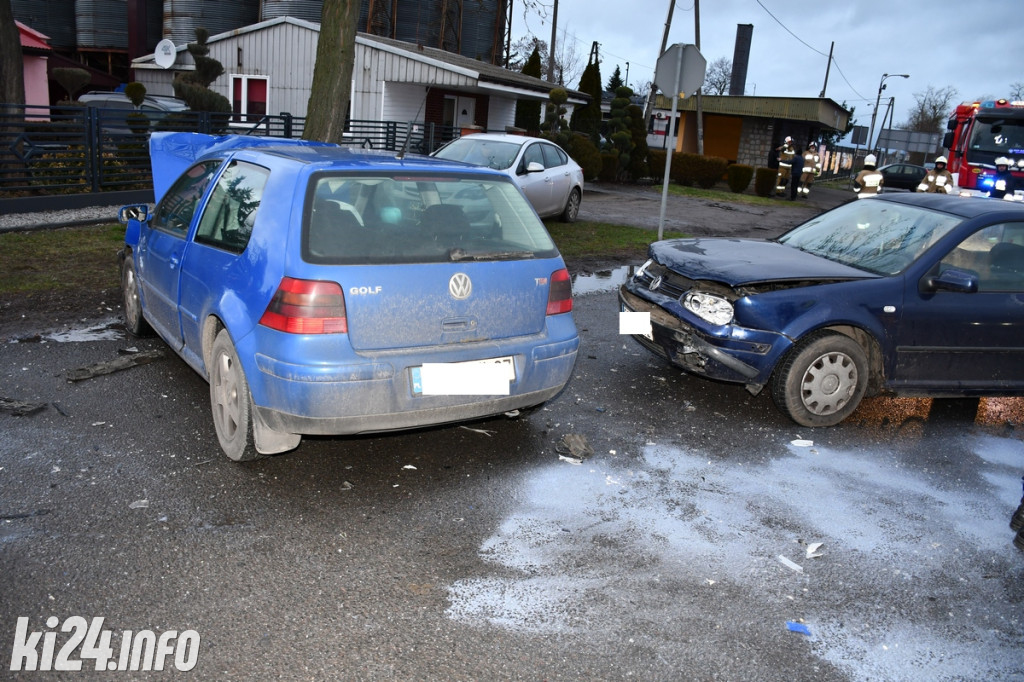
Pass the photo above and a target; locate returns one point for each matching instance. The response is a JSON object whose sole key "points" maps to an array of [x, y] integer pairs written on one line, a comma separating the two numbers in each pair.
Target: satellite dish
{"points": [[165, 54]]}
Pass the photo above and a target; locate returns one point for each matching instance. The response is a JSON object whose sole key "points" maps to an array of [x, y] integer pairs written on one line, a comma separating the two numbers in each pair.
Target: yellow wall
{"points": [[721, 135]]}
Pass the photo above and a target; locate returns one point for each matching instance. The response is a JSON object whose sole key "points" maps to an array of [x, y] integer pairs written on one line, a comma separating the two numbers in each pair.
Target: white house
{"points": [[269, 69]]}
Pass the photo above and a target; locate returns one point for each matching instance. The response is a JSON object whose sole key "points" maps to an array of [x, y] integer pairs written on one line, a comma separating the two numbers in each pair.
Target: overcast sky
{"points": [[974, 46]]}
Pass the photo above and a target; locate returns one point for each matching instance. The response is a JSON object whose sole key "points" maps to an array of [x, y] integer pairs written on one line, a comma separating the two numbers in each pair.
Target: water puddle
{"points": [[106, 330], [602, 280]]}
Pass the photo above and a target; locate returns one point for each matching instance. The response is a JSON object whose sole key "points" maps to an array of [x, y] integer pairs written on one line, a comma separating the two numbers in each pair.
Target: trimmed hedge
{"points": [[764, 182], [609, 166], [738, 176]]}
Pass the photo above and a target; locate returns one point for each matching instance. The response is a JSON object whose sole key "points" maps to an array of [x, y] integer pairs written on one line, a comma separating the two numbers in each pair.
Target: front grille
{"points": [[671, 283]]}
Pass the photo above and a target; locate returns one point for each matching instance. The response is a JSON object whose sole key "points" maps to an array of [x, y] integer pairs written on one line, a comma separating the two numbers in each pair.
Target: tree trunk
{"points": [[332, 74], [12, 74]]}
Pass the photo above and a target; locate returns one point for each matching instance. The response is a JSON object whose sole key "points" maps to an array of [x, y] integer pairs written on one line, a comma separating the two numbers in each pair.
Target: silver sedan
{"points": [[549, 178]]}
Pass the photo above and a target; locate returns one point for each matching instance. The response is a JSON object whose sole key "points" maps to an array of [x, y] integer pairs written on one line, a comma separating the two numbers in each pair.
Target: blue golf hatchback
{"points": [[322, 290], [914, 294]]}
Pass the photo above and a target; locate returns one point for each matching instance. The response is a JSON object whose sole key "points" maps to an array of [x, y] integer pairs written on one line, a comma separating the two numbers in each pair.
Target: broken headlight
{"points": [[708, 307]]}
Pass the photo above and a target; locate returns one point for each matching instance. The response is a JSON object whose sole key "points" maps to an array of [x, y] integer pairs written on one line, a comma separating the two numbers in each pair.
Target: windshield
{"points": [[997, 136], [491, 153], [877, 236], [352, 219]]}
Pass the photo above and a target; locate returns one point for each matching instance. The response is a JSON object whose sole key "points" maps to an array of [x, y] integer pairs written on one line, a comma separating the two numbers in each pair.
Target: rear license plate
{"points": [[492, 376]]}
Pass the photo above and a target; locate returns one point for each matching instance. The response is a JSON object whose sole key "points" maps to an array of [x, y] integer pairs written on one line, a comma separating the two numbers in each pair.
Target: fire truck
{"points": [[977, 134]]}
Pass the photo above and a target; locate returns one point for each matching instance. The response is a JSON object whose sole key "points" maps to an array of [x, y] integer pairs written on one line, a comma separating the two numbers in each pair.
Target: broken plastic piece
{"points": [[791, 564], [121, 363], [20, 408], [573, 448], [799, 443], [139, 504], [812, 550], [793, 626]]}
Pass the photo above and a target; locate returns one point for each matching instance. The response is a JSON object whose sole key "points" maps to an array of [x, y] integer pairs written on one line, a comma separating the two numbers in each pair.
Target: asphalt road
{"points": [[684, 547]]}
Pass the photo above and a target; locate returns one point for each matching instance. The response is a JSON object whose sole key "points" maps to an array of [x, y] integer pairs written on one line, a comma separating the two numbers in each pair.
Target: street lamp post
{"points": [[878, 98]]}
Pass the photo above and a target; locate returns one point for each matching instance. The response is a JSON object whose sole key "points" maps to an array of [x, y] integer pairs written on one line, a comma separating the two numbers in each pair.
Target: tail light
{"points": [[560, 293], [301, 306]]}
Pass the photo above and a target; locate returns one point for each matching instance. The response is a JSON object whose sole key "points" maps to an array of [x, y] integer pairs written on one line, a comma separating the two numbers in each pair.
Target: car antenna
{"points": [[408, 131]]}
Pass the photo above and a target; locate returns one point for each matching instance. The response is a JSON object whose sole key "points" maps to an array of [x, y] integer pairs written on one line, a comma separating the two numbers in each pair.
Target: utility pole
{"points": [[551, 49], [700, 110], [664, 44], [827, 67]]}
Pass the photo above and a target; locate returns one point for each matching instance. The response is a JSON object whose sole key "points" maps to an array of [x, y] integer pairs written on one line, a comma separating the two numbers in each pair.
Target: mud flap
{"points": [[267, 440]]}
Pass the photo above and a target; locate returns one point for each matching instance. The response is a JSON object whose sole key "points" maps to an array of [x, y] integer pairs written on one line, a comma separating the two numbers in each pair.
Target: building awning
{"points": [[819, 110], [32, 39]]}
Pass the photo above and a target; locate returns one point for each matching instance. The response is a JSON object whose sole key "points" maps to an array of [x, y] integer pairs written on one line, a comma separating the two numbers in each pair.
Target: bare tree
{"points": [[717, 77], [568, 60], [1017, 91], [931, 111], [332, 75]]}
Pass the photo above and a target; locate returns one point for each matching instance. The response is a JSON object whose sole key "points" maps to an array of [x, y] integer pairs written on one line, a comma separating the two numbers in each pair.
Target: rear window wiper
{"points": [[459, 254]]}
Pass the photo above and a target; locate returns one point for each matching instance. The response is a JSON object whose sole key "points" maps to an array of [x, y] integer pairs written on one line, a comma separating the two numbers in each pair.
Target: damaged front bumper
{"points": [[729, 353]]}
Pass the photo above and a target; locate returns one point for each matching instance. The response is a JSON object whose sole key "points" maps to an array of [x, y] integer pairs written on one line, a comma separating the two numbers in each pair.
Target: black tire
{"points": [[134, 322], [230, 401], [822, 380], [572, 206]]}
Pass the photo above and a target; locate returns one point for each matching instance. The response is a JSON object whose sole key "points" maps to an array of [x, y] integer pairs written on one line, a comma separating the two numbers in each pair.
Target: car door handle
{"points": [[174, 260]]}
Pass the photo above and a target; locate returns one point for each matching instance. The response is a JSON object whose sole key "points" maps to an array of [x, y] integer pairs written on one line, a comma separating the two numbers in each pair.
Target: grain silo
{"points": [[183, 17]]}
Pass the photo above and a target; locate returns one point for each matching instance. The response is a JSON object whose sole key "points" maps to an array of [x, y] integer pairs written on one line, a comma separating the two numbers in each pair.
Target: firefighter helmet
{"points": [[941, 159], [870, 160], [1002, 161]]}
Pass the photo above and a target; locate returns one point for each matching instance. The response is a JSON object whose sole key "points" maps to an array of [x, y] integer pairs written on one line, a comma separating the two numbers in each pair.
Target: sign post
{"points": [[680, 71]]}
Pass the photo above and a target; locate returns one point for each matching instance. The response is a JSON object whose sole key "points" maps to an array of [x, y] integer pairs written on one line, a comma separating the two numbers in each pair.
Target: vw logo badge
{"points": [[655, 284], [460, 286]]}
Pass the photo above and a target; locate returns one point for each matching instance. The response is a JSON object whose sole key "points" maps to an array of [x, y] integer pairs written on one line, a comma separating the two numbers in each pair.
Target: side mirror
{"points": [[534, 167], [947, 140], [139, 212], [952, 279]]}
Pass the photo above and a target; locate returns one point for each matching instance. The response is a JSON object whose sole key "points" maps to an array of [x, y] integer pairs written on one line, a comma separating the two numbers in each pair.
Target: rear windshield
{"points": [[419, 218]]}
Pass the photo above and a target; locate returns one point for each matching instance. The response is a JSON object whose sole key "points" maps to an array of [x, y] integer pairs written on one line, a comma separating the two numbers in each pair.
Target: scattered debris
{"points": [[139, 504], [483, 431], [794, 626], [812, 550], [791, 564], [345, 485], [573, 448], [26, 515], [122, 363], [409, 466], [512, 414], [20, 408], [131, 350], [800, 443]]}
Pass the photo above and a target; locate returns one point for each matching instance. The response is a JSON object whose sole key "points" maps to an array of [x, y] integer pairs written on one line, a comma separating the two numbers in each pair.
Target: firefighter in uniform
{"points": [[786, 156], [937, 180], [868, 182], [1004, 183], [811, 170]]}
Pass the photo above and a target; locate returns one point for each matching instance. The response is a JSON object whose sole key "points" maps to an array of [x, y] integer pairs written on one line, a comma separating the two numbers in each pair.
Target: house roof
{"points": [[486, 74], [32, 39]]}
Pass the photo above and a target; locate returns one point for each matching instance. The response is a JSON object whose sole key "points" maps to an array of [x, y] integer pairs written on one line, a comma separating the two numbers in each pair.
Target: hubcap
{"points": [[829, 383], [227, 412]]}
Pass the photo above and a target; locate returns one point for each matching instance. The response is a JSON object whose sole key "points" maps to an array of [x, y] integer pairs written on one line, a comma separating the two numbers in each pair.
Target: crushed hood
{"points": [[738, 262]]}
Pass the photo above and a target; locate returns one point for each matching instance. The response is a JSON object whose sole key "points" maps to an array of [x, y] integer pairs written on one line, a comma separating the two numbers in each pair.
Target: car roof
{"points": [[171, 153], [963, 207]]}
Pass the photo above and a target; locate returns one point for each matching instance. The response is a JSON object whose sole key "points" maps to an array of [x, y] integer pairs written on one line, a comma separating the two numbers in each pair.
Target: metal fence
{"points": [[76, 155]]}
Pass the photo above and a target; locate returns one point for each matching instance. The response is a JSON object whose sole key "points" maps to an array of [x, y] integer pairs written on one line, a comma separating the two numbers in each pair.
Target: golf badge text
{"points": [[142, 650]]}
